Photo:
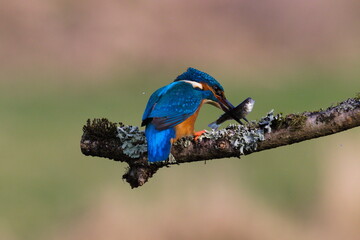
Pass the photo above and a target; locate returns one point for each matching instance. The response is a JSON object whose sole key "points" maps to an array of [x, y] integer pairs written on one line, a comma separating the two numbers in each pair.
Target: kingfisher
{"points": [[172, 110]]}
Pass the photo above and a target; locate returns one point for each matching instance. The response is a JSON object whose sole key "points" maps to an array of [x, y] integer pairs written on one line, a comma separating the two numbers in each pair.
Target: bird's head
{"points": [[205, 82]]}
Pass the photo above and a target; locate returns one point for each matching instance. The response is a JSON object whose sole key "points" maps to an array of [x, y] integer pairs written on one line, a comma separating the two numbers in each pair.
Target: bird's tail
{"points": [[158, 142]]}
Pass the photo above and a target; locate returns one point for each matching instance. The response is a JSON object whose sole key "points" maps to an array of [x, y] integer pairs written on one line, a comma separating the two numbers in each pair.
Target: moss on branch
{"points": [[125, 143]]}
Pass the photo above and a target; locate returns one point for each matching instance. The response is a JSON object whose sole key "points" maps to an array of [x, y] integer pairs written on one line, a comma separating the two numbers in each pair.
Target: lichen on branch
{"points": [[124, 143]]}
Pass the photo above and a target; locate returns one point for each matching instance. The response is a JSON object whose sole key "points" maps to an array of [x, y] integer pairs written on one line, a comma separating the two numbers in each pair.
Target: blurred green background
{"points": [[63, 62]]}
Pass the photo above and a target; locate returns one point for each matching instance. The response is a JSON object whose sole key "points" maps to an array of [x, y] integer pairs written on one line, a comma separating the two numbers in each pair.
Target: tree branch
{"points": [[102, 138]]}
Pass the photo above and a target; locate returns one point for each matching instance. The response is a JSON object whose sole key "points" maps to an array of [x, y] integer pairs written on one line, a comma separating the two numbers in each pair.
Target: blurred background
{"points": [[64, 61]]}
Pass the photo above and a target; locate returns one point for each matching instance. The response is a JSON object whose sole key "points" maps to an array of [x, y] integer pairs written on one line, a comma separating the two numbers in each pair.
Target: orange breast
{"points": [[186, 128]]}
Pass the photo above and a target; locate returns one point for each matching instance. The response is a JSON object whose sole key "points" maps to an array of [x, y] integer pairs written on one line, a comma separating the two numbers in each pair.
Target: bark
{"points": [[100, 139]]}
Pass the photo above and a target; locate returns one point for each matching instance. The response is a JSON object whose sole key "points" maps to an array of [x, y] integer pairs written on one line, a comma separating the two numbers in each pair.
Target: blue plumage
{"points": [[179, 103], [153, 99], [158, 142], [170, 106], [199, 76], [174, 103]]}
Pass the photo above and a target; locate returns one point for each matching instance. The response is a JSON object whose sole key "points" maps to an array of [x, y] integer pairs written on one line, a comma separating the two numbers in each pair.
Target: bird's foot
{"points": [[198, 134]]}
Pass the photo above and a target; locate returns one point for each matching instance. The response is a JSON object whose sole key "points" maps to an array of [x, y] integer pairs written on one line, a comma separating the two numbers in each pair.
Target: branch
{"points": [[102, 138]]}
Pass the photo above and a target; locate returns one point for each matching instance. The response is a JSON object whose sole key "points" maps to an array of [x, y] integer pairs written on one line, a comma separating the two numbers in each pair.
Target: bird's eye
{"points": [[217, 90]]}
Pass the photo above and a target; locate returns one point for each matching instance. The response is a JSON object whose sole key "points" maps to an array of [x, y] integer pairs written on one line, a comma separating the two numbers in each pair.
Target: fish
{"points": [[239, 111]]}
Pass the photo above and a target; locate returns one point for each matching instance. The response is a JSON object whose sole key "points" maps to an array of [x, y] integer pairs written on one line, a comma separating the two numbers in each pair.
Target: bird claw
{"points": [[198, 134]]}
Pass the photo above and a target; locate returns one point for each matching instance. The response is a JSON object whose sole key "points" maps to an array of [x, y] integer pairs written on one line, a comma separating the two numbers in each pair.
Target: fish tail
{"points": [[214, 125]]}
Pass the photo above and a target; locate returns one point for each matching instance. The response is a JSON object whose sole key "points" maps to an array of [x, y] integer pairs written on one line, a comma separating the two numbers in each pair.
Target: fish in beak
{"points": [[227, 107], [240, 111]]}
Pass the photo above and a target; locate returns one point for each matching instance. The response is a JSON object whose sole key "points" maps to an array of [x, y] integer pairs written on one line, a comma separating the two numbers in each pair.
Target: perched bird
{"points": [[240, 111], [172, 110]]}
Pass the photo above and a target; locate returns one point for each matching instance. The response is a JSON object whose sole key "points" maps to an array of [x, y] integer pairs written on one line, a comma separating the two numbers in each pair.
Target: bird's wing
{"points": [[155, 97], [174, 105]]}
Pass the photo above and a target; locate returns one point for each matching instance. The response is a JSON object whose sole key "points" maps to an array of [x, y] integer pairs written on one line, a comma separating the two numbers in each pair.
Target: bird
{"points": [[172, 110]]}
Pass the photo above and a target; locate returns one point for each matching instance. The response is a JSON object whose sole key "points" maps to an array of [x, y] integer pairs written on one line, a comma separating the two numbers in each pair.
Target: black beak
{"points": [[227, 107]]}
